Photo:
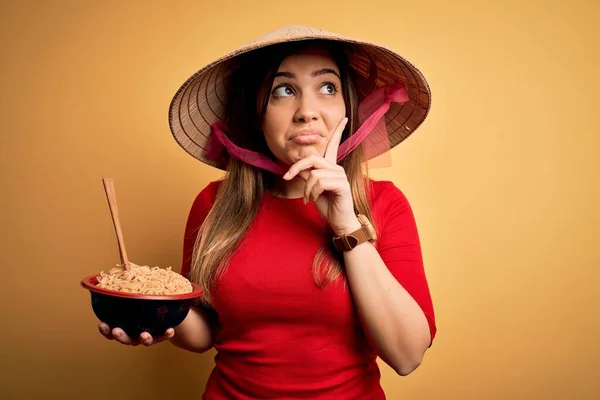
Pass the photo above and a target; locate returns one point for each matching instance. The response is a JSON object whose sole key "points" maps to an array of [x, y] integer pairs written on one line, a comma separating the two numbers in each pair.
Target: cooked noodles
{"points": [[144, 280]]}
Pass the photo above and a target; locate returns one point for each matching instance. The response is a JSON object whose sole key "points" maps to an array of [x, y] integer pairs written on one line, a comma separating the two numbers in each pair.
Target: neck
{"points": [[293, 189]]}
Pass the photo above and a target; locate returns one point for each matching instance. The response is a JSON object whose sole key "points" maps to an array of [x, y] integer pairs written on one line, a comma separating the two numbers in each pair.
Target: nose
{"points": [[307, 110]]}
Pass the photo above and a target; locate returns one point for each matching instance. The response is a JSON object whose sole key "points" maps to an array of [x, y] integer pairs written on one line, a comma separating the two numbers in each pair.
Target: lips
{"points": [[306, 137]]}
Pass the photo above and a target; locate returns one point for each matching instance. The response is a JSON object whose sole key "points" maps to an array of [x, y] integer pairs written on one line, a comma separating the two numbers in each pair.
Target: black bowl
{"points": [[137, 313]]}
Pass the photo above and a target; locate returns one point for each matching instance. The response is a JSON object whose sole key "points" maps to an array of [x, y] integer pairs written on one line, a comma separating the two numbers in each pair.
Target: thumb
{"points": [[169, 334]]}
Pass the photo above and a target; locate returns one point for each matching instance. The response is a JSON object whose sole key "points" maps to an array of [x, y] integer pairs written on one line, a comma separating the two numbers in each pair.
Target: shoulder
{"points": [[384, 194], [201, 207], [202, 204], [206, 197], [389, 205]]}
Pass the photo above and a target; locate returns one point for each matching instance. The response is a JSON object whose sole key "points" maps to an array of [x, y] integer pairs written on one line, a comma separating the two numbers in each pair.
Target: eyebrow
{"points": [[319, 72]]}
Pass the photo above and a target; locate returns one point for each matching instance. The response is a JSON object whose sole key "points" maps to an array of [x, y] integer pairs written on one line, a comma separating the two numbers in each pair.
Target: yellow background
{"points": [[503, 178]]}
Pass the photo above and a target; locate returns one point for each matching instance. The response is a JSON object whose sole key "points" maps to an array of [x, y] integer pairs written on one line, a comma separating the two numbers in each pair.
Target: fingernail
{"points": [[287, 175]]}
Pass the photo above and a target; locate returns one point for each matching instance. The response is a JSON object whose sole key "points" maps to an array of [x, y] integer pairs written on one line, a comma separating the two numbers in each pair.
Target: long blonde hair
{"points": [[244, 186]]}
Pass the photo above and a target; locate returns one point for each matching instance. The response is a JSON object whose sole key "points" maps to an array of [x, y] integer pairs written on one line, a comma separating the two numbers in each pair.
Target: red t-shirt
{"points": [[282, 337]]}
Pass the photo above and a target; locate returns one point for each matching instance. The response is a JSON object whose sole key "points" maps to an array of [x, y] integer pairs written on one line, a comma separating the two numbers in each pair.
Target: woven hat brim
{"points": [[200, 101]]}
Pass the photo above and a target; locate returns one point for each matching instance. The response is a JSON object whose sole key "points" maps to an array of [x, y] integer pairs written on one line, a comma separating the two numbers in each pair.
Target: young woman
{"points": [[310, 269]]}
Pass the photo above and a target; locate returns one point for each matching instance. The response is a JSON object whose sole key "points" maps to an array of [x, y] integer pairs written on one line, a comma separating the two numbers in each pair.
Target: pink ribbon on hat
{"points": [[219, 141], [374, 105], [371, 111]]}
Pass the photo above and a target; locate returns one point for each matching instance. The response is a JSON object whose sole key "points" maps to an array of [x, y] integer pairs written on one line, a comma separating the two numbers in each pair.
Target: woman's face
{"points": [[305, 106]]}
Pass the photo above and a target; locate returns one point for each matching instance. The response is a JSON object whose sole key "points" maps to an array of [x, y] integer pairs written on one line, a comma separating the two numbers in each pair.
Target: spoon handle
{"points": [[109, 188]]}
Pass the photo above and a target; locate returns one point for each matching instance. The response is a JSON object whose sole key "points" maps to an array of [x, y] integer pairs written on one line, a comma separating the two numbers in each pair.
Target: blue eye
{"points": [[283, 91], [329, 88]]}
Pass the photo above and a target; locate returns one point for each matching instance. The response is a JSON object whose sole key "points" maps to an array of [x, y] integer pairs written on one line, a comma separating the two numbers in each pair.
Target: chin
{"points": [[303, 152]]}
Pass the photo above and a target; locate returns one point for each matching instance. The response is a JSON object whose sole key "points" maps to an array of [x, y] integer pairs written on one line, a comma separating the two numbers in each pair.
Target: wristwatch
{"points": [[361, 235]]}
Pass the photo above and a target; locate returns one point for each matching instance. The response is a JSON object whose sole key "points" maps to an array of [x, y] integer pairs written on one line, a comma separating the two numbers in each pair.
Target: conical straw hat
{"points": [[200, 101]]}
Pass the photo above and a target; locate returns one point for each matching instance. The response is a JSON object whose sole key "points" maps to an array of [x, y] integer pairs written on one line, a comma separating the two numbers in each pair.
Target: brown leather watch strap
{"points": [[350, 241]]}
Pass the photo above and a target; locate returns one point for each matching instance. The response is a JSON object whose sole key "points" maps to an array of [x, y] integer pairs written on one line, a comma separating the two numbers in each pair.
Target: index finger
{"points": [[334, 142]]}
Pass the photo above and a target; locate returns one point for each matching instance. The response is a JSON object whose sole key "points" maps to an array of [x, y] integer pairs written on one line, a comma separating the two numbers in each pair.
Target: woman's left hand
{"points": [[327, 185]]}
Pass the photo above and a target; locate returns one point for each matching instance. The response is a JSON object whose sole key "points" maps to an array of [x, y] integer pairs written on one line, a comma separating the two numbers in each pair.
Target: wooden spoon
{"points": [[109, 188]]}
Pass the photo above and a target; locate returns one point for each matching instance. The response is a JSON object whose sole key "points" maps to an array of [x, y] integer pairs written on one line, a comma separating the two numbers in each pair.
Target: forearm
{"points": [[195, 333], [393, 320]]}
